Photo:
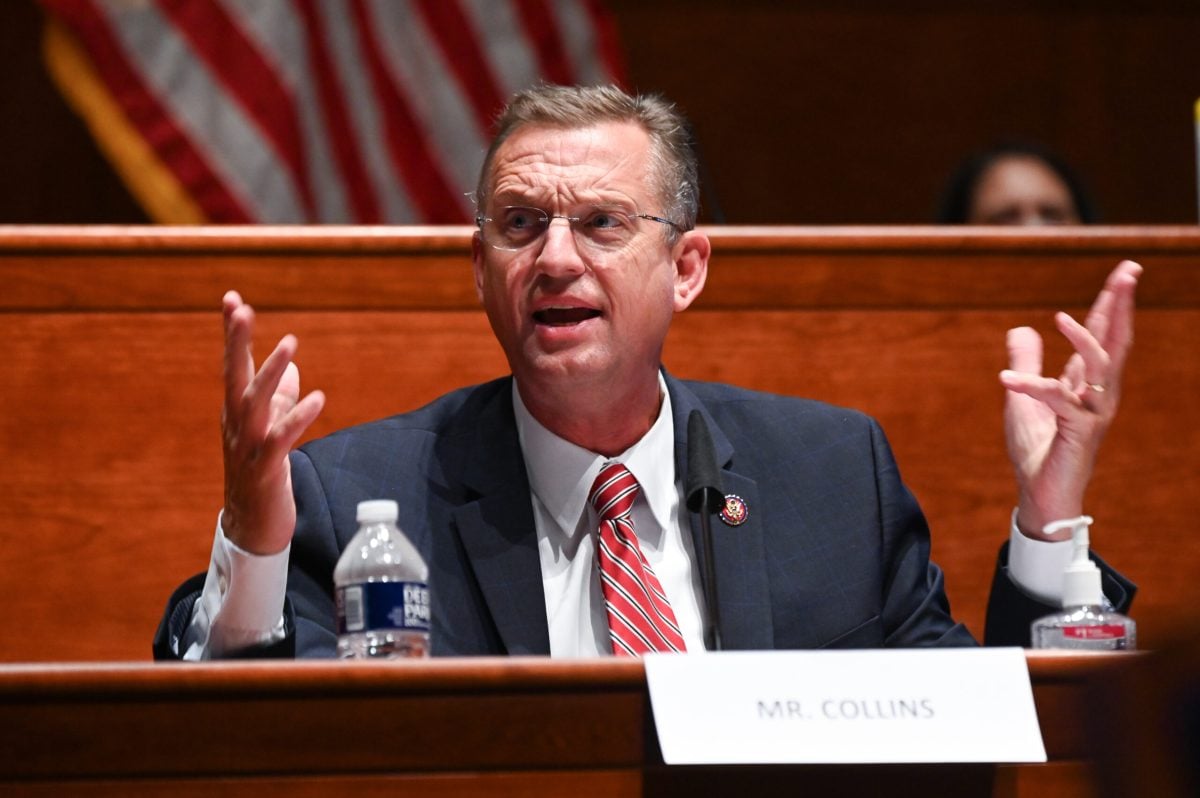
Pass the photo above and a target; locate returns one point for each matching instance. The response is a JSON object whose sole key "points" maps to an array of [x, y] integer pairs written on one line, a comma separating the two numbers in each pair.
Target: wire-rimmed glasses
{"points": [[600, 229]]}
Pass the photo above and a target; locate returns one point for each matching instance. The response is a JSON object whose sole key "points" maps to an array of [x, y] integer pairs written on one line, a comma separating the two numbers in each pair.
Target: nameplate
{"points": [[827, 707]]}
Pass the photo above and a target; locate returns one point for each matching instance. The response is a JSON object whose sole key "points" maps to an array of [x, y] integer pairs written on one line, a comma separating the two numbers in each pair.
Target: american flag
{"points": [[312, 111]]}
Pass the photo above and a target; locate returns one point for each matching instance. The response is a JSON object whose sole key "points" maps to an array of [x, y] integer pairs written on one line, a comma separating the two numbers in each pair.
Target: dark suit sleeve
{"points": [[175, 619], [915, 609], [1011, 611]]}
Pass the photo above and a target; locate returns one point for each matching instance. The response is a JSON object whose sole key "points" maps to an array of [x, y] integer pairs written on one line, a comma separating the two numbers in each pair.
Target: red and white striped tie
{"points": [[639, 616]]}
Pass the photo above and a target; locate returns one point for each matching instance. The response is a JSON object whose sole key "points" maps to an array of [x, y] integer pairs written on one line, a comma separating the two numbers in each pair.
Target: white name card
{"points": [[827, 707]]}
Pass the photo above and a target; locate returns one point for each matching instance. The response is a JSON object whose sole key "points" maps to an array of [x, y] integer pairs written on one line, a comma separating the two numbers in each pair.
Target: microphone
{"points": [[702, 489]]}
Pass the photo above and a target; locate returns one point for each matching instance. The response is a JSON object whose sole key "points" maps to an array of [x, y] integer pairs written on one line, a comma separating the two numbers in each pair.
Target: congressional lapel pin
{"points": [[735, 512]]}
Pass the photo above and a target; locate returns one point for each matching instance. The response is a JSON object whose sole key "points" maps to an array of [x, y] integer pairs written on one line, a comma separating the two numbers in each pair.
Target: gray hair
{"points": [[672, 157]]}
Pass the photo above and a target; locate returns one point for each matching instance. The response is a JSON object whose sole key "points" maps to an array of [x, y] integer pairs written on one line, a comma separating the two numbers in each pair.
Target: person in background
{"points": [[1015, 184]]}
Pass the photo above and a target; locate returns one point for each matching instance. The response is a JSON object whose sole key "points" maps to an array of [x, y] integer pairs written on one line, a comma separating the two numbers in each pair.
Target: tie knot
{"points": [[613, 492]]}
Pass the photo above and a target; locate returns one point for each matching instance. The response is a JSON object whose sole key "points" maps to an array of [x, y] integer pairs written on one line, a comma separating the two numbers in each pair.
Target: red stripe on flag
{"points": [[607, 42], [151, 118], [250, 79], [406, 139], [334, 112], [464, 53], [538, 21]]}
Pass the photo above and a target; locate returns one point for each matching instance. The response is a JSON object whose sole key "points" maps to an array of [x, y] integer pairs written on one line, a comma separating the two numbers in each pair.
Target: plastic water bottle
{"points": [[381, 589]]}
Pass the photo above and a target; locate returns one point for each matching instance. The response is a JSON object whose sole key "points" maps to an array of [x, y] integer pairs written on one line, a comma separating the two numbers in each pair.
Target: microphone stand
{"points": [[712, 635], [704, 496]]}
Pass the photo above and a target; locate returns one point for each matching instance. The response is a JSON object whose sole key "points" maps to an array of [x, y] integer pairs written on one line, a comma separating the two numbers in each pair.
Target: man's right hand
{"points": [[262, 418]]}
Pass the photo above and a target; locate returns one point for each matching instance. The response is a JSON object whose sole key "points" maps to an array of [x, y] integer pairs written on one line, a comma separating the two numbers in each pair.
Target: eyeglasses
{"points": [[597, 229]]}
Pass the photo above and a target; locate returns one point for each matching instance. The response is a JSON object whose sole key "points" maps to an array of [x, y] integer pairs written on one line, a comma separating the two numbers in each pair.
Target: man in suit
{"points": [[586, 249]]}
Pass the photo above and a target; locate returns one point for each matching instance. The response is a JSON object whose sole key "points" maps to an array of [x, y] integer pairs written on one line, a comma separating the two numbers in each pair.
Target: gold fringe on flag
{"points": [[153, 185]]}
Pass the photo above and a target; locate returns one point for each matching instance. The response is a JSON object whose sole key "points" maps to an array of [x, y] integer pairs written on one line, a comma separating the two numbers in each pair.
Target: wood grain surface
{"points": [[480, 727]]}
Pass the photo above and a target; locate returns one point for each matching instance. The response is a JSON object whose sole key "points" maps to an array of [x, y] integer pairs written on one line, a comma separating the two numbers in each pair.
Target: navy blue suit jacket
{"points": [[835, 551]]}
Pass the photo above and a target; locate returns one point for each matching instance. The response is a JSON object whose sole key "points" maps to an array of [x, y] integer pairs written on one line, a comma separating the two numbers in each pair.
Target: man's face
{"points": [[564, 311]]}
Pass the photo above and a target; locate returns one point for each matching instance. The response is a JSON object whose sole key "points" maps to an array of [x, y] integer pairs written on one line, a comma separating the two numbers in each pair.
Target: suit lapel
{"points": [[496, 527], [497, 530], [739, 554]]}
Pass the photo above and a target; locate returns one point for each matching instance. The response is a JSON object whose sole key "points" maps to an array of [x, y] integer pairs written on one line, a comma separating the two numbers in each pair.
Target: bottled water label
{"points": [[371, 606]]}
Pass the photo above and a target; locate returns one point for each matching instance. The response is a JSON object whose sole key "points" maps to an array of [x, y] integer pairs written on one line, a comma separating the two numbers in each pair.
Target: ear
{"points": [[477, 263], [691, 267]]}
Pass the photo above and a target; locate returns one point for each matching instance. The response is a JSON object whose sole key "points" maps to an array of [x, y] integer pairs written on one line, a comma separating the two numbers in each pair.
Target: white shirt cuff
{"points": [[1037, 565], [242, 602]]}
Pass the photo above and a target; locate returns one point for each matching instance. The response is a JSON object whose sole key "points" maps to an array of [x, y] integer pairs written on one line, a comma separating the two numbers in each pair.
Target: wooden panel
{"points": [[264, 719], [578, 784], [1145, 718], [328, 268], [493, 727], [111, 346]]}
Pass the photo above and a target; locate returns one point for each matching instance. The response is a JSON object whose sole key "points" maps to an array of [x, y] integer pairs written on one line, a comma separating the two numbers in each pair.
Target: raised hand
{"points": [[262, 418], [1054, 426]]}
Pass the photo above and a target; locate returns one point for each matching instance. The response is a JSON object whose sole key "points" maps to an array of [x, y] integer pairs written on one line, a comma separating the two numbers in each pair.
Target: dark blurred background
{"points": [[806, 112]]}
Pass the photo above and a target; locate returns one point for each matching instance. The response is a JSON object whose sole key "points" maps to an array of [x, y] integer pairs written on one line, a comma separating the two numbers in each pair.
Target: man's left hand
{"points": [[1053, 427]]}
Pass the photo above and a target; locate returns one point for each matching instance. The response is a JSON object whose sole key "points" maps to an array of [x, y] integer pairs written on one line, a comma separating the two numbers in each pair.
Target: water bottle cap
{"points": [[378, 510]]}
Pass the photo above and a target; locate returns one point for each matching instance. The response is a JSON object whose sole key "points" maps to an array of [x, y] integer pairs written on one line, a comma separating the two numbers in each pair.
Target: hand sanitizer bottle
{"points": [[1084, 623]]}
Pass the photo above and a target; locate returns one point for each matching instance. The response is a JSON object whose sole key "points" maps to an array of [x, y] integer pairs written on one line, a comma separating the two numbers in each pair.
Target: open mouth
{"points": [[563, 317]]}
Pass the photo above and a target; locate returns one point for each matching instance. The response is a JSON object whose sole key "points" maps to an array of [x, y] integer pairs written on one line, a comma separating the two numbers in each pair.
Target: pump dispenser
{"points": [[1084, 623]]}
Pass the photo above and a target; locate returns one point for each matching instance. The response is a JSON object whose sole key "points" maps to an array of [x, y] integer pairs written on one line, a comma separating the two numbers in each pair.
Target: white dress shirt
{"points": [[560, 477]]}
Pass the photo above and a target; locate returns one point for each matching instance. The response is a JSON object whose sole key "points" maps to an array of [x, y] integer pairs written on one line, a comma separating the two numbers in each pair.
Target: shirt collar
{"points": [[561, 473]]}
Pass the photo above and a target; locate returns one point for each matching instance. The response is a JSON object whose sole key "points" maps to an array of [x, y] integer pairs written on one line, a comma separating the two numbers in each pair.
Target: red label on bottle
{"points": [[1104, 631]]}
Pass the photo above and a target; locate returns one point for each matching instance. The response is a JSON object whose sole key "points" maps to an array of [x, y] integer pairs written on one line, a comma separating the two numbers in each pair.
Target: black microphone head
{"points": [[702, 485]]}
